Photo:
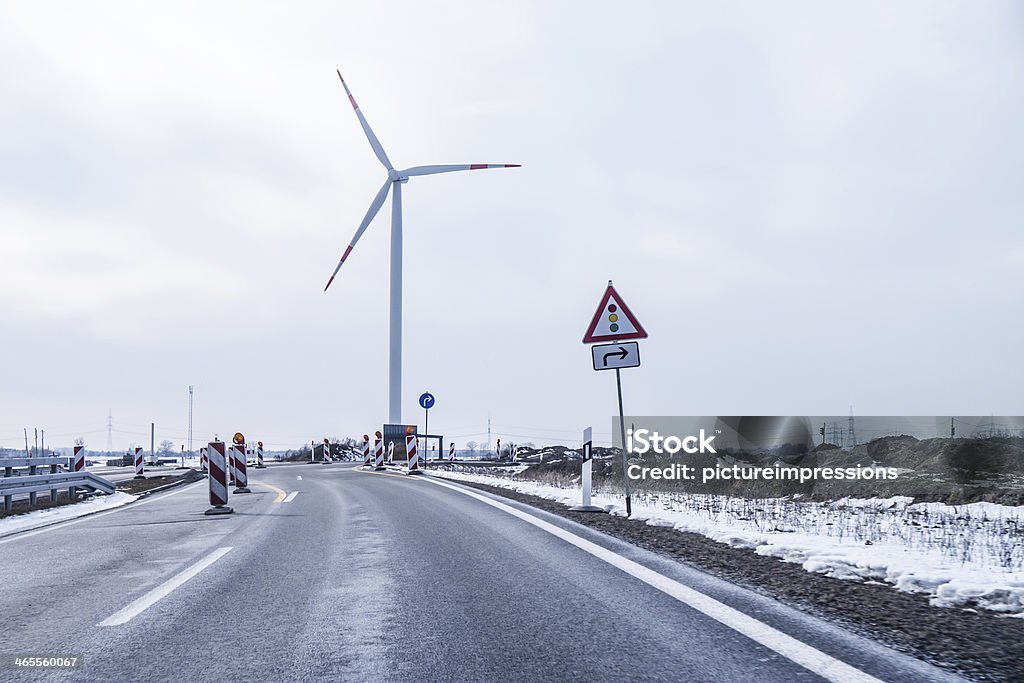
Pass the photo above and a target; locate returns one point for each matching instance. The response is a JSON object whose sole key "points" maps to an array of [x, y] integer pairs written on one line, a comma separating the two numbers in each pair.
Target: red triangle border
{"points": [[589, 337]]}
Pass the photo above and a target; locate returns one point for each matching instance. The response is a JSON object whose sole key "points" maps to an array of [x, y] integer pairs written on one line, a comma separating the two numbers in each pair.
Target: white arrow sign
{"points": [[611, 356]]}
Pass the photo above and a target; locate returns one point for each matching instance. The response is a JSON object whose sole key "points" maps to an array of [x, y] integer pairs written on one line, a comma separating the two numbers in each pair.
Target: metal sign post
{"points": [[622, 434], [426, 402], [614, 322]]}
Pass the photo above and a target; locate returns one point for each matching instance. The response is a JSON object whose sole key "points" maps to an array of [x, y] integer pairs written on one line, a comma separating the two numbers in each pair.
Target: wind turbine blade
{"points": [[374, 142], [448, 168], [378, 201]]}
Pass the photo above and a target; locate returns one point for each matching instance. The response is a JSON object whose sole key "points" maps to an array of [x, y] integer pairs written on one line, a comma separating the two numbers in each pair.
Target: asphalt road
{"points": [[380, 576]]}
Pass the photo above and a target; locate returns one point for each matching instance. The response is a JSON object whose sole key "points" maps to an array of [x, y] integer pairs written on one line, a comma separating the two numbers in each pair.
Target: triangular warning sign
{"points": [[613, 320]]}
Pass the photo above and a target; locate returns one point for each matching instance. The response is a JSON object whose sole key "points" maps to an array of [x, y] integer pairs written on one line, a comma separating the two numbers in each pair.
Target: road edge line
{"points": [[801, 653]]}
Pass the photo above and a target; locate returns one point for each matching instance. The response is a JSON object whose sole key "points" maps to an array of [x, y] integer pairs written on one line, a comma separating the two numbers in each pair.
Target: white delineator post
{"points": [[367, 459], [218, 480], [138, 463], [259, 456], [241, 475], [585, 475], [391, 452], [414, 458], [378, 451], [588, 463]]}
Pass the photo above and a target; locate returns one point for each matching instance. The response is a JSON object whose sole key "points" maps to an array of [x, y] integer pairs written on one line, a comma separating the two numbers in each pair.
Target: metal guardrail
{"points": [[30, 462], [14, 483]]}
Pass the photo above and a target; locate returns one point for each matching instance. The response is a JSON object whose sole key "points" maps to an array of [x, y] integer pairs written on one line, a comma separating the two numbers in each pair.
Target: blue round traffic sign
{"points": [[426, 400]]}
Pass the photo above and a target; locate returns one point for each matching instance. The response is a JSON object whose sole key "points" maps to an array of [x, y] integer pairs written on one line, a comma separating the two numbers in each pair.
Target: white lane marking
{"points": [[290, 497], [140, 605], [88, 518], [299, 477], [815, 660]]}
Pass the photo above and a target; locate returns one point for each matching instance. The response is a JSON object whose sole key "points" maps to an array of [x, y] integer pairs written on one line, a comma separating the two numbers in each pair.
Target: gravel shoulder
{"points": [[978, 645]]}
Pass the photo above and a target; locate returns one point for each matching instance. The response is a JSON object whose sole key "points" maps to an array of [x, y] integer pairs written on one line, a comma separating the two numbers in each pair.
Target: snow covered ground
{"points": [[960, 556], [39, 518]]}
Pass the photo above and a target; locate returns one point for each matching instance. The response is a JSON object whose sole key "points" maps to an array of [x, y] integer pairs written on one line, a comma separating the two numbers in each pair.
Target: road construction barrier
{"points": [[378, 451], [218, 480], [241, 474], [138, 463], [327, 451], [202, 459], [451, 451], [414, 457], [259, 456], [391, 452], [367, 460], [77, 465]]}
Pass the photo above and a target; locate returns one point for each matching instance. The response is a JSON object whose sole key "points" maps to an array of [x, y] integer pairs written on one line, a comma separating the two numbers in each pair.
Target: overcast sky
{"points": [[808, 206]]}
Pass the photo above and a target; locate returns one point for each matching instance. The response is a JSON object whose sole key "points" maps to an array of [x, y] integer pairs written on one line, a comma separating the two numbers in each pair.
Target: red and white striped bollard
{"points": [[378, 451], [138, 463], [218, 480], [241, 475], [414, 458], [367, 460], [77, 465]]}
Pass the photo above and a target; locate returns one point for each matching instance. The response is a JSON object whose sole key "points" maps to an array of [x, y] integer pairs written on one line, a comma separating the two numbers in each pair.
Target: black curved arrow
{"points": [[622, 353]]}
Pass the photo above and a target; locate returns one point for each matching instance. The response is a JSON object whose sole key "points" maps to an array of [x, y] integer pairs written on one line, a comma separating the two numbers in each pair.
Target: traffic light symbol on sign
{"points": [[613, 319]]}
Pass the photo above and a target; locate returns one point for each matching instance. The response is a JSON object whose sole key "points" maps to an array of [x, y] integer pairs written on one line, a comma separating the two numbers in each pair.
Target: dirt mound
{"points": [[942, 469]]}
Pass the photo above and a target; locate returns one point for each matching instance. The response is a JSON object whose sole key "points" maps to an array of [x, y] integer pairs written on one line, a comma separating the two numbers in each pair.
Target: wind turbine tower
{"points": [[393, 184]]}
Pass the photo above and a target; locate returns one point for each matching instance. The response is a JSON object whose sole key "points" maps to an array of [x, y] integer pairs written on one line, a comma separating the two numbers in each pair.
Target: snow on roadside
{"points": [[818, 544], [39, 518]]}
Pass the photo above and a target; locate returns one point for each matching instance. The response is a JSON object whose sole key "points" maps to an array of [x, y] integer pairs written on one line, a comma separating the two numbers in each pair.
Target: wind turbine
{"points": [[396, 178]]}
